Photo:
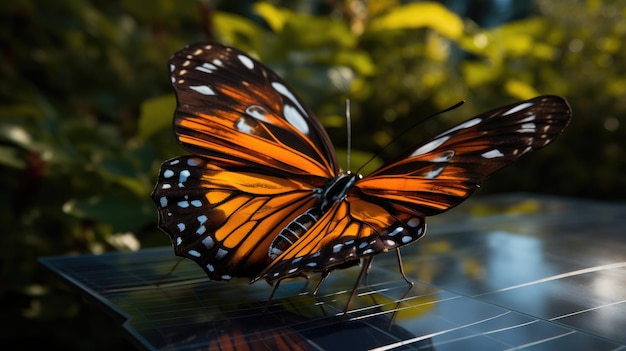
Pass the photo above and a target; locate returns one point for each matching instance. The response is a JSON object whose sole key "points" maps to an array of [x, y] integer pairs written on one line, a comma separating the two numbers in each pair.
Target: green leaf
{"points": [[274, 16], [122, 211], [239, 31], [156, 114], [9, 157]]}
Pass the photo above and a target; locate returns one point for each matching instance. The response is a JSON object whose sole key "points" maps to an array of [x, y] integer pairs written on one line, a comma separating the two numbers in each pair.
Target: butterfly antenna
{"points": [[408, 130], [349, 132]]}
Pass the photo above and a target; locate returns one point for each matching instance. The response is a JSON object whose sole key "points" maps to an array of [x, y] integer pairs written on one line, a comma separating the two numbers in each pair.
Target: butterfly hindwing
{"points": [[353, 228], [225, 217]]}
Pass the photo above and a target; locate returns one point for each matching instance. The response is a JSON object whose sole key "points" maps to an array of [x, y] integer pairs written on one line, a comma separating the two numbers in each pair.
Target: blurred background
{"points": [[86, 110]]}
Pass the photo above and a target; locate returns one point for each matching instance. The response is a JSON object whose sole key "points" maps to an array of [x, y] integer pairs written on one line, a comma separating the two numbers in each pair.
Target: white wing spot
{"points": [[527, 128], [181, 226], [168, 173], [492, 154], [467, 124], [518, 108], [208, 242], [396, 231], [166, 186], [430, 146], [201, 229], [246, 61], [179, 241], [210, 268], [434, 173], [193, 253], [337, 248], [406, 239], [183, 176], [183, 204], [163, 201], [220, 253], [243, 126], [207, 68], [196, 203], [295, 119], [445, 156], [413, 222], [257, 112], [281, 89], [202, 219], [193, 162], [202, 89]]}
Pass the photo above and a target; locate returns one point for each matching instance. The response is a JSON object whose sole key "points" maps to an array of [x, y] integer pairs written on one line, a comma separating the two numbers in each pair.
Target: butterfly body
{"points": [[262, 195]]}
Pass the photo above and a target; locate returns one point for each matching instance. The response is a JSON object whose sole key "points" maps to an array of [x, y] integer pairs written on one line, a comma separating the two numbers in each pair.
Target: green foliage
{"points": [[86, 108]]}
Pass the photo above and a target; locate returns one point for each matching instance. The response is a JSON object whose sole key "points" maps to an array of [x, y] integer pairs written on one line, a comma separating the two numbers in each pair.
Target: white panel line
{"points": [[559, 276]]}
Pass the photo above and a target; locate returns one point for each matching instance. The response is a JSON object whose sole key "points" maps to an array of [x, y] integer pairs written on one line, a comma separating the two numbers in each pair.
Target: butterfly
{"points": [[261, 194]]}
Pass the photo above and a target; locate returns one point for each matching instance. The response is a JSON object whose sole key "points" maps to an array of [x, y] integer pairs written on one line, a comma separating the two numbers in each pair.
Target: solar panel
{"points": [[498, 273]]}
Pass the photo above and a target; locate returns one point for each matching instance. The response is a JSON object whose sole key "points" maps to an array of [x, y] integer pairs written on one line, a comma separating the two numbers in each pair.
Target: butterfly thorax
{"points": [[332, 192]]}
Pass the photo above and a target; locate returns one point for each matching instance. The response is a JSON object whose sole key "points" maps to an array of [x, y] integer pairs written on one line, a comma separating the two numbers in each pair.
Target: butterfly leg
{"points": [[368, 262], [397, 308], [178, 261], [402, 268], [366, 266], [322, 278], [269, 299]]}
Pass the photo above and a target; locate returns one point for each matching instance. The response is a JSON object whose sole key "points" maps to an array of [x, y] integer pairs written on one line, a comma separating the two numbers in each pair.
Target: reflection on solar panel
{"points": [[498, 273]]}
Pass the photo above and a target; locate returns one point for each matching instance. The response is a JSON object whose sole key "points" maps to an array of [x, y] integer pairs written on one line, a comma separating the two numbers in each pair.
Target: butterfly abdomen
{"points": [[293, 231], [331, 193]]}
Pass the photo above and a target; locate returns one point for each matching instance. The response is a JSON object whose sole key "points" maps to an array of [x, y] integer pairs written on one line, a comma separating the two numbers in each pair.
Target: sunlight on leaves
{"points": [[419, 15], [274, 16], [520, 90]]}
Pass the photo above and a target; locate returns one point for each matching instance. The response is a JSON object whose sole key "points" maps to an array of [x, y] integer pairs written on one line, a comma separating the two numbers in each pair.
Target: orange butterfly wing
{"points": [[225, 218], [387, 209], [234, 110], [260, 154], [263, 162]]}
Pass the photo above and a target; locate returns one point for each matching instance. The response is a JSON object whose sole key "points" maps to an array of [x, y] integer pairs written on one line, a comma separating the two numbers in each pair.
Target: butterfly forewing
{"points": [[445, 170], [235, 110]]}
